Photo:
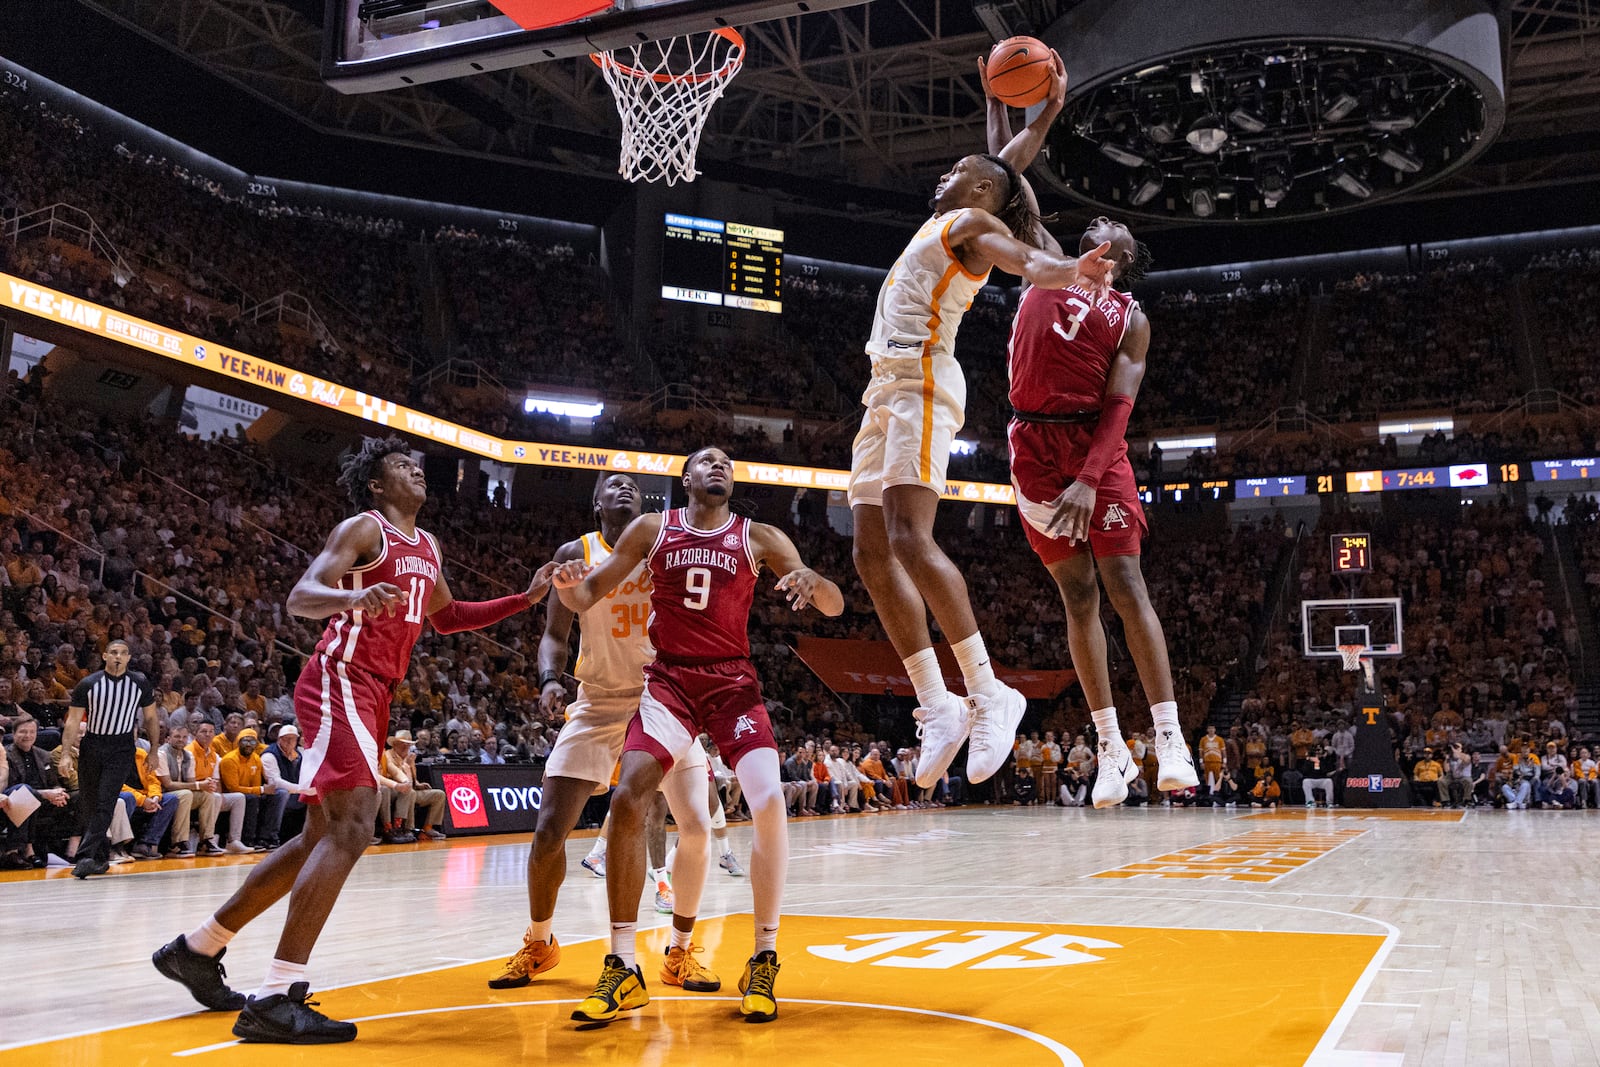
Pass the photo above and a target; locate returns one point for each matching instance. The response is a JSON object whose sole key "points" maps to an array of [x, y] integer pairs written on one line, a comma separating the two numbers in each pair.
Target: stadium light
{"points": [[572, 409]]}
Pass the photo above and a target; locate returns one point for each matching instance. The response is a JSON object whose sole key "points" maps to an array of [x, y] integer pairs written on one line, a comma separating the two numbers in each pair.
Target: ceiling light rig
{"points": [[1293, 127]]}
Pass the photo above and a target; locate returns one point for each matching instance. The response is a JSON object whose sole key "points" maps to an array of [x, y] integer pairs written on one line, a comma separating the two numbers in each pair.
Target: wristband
{"points": [[546, 677]]}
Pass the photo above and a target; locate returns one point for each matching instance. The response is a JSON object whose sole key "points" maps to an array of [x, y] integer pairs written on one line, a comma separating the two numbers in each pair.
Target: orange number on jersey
{"points": [[629, 616]]}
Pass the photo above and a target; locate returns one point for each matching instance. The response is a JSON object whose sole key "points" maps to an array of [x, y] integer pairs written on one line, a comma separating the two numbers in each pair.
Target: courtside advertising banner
{"points": [[487, 798], [230, 364]]}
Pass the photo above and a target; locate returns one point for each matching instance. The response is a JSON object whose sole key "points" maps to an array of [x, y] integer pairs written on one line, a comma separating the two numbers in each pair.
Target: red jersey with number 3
{"points": [[382, 644], [1062, 345], [703, 583]]}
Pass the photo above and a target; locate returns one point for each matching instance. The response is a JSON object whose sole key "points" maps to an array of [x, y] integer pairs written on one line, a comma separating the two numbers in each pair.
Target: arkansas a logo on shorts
{"points": [[1116, 515], [466, 801], [745, 725]]}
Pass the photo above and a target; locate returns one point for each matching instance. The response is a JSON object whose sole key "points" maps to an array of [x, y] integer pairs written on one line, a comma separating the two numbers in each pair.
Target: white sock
{"points": [[622, 937], [975, 668], [1165, 715], [539, 930], [672, 858], [681, 938], [927, 678], [721, 836], [1105, 723], [766, 936], [598, 852], [281, 974], [211, 938]]}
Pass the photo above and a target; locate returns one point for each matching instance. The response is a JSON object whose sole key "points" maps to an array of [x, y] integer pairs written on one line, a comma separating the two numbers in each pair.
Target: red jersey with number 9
{"points": [[381, 644], [704, 582], [1062, 345]]}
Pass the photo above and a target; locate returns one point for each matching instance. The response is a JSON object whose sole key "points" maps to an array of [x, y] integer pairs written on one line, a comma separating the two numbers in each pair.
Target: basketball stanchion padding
{"points": [[664, 92], [542, 14]]}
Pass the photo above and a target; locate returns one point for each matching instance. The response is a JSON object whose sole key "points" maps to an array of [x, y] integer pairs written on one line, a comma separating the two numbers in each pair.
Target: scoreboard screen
{"points": [[1352, 553], [723, 264]]}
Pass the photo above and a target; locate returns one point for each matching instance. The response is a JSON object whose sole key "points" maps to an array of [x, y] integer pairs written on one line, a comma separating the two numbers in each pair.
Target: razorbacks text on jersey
{"points": [[1062, 344], [382, 644], [613, 635], [703, 583]]}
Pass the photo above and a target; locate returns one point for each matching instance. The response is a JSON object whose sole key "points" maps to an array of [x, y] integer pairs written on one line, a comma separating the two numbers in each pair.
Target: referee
{"points": [[107, 704]]}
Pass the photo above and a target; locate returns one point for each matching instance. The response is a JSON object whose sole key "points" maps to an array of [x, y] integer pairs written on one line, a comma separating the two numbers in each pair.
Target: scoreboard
{"points": [[722, 264], [1352, 553], [1396, 479]]}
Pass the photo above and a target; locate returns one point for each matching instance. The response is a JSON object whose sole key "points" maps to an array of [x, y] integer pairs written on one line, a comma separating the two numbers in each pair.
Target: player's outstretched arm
{"points": [[580, 586], [1074, 506], [802, 585], [982, 241], [317, 594], [555, 645], [449, 615]]}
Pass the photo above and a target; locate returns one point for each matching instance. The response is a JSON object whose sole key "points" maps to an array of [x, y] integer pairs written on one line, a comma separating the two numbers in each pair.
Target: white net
{"points": [[1351, 654], [664, 92]]}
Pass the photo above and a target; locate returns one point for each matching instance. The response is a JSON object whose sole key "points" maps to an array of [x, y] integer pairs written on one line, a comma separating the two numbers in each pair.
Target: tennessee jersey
{"points": [[382, 644], [1062, 345], [923, 299], [614, 640], [702, 585]]}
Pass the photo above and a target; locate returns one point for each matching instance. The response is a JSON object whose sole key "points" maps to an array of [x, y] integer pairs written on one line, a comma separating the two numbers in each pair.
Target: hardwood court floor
{"points": [[977, 936]]}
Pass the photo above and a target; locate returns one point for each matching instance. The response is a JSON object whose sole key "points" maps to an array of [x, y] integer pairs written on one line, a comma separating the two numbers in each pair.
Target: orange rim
{"points": [[732, 36]]}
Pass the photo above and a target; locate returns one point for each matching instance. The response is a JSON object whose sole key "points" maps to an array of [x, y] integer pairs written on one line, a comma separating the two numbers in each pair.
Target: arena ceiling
{"points": [[870, 102]]}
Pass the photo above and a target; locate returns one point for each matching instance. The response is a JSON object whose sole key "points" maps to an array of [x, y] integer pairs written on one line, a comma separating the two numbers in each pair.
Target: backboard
{"points": [[1373, 621], [372, 45]]}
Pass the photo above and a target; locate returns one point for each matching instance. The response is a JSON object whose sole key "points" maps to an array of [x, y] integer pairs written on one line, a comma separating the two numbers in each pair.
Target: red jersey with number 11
{"points": [[703, 584], [382, 644], [1062, 345]]}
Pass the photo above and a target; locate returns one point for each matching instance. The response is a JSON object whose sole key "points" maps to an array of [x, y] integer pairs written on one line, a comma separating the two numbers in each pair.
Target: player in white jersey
{"points": [[916, 402], [614, 648]]}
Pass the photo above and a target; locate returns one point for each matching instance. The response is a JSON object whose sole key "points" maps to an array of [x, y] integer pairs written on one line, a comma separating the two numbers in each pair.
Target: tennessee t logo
{"points": [[1371, 714]]}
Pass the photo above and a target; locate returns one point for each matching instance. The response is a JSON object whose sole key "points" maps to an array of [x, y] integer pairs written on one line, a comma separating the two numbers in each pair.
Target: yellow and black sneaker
{"points": [[680, 968], [760, 1003], [531, 960], [621, 988]]}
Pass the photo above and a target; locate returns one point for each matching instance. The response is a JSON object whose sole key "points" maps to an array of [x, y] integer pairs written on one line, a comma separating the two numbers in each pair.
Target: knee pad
{"points": [[719, 821]]}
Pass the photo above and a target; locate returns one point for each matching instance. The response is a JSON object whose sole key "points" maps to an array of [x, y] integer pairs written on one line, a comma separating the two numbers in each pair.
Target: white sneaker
{"points": [[595, 864], [1177, 766], [236, 848], [730, 863], [941, 729], [995, 718], [1116, 770]]}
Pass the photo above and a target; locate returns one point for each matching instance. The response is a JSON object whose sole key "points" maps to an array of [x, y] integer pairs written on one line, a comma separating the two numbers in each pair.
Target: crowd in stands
{"points": [[1565, 322]]}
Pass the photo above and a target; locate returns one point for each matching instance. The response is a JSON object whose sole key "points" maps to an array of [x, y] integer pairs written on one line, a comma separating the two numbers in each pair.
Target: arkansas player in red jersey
{"points": [[703, 563], [376, 579], [1076, 360]]}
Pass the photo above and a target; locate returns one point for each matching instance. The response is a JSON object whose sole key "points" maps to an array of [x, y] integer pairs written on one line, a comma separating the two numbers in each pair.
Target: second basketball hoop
{"points": [[664, 92]]}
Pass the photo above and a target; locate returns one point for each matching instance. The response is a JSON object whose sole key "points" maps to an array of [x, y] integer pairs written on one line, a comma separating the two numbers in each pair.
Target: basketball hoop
{"points": [[664, 91], [1351, 654]]}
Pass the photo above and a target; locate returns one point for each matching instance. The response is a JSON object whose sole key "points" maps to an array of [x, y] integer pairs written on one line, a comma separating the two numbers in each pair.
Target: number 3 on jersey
{"points": [[697, 580]]}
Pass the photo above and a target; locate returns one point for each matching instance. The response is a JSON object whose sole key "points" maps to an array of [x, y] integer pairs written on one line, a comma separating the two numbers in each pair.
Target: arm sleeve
{"points": [[461, 615], [1109, 434]]}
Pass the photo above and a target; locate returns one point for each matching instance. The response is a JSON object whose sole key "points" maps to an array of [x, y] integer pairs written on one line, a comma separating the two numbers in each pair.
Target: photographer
{"points": [[1457, 784]]}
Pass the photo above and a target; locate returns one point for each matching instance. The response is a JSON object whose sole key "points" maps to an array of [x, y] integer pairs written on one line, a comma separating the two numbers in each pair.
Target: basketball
{"points": [[1019, 71]]}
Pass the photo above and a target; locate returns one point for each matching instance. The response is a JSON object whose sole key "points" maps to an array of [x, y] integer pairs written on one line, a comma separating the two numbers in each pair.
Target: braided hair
{"points": [[1135, 272], [1019, 218]]}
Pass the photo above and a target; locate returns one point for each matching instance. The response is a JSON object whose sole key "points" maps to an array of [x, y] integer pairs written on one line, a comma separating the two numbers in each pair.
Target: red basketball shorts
{"points": [[343, 714], [1045, 457], [680, 702]]}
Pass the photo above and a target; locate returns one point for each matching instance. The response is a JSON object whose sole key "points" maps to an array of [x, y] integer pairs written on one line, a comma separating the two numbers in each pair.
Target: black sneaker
{"points": [[290, 1019], [87, 866], [203, 976]]}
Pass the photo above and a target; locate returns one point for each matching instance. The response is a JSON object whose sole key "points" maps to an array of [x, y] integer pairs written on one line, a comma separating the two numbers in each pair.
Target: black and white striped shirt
{"points": [[113, 704]]}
